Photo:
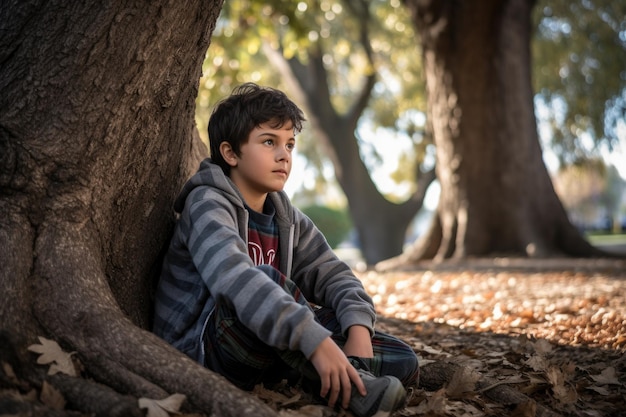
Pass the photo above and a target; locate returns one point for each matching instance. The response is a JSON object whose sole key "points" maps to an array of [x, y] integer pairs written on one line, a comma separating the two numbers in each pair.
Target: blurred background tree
{"points": [[334, 223], [356, 68], [592, 193], [580, 78]]}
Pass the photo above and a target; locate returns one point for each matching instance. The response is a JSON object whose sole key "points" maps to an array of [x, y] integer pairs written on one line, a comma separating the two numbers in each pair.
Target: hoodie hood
{"points": [[209, 174]]}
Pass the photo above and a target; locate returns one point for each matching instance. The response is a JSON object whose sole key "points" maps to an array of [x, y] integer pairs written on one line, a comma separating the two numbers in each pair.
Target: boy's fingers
{"points": [[346, 390], [324, 388], [335, 388], [357, 381]]}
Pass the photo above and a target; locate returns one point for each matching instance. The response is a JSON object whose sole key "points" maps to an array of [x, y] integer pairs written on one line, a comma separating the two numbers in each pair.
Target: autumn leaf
{"points": [[9, 373], [607, 377], [306, 411], [431, 350], [542, 346], [269, 396], [50, 353], [434, 404], [537, 363], [52, 397], [562, 391], [462, 383], [164, 407], [599, 390]]}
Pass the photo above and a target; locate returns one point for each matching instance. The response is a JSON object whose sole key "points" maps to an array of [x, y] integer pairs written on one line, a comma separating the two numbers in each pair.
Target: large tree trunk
{"points": [[496, 194], [96, 139]]}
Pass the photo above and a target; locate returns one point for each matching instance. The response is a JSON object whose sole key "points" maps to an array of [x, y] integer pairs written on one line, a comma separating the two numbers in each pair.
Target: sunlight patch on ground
{"points": [[566, 307]]}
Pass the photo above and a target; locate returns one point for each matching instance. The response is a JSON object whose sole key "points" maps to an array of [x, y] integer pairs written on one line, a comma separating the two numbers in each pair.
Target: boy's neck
{"points": [[251, 197], [257, 203]]}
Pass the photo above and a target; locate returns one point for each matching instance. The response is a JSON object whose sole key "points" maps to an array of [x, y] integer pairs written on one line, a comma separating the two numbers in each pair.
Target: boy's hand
{"points": [[336, 373], [359, 343]]}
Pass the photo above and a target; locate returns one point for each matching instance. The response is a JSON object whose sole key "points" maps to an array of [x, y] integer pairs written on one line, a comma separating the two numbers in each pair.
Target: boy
{"points": [[250, 287]]}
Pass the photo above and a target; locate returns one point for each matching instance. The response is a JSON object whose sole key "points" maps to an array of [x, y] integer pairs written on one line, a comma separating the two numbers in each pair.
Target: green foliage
{"points": [[580, 72], [334, 224]]}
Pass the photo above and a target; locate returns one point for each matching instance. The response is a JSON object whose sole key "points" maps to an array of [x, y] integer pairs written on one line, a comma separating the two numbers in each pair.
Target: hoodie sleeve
{"points": [[221, 257], [326, 280]]}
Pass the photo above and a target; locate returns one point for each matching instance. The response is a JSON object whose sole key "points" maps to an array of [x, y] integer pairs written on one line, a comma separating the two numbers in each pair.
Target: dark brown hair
{"points": [[249, 106]]}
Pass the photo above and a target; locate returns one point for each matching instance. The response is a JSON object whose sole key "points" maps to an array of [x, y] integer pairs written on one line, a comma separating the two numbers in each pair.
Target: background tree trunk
{"points": [[496, 194], [96, 139], [381, 224]]}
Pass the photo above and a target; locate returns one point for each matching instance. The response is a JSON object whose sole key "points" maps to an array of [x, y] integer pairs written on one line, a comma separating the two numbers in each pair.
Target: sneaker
{"points": [[385, 394]]}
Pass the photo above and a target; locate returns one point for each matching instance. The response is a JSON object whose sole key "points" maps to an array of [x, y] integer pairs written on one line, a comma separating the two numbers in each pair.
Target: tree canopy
{"points": [[579, 61], [579, 73]]}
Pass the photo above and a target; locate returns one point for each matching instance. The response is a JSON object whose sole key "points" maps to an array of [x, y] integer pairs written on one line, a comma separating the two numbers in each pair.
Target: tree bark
{"points": [[96, 139], [496, 194]]}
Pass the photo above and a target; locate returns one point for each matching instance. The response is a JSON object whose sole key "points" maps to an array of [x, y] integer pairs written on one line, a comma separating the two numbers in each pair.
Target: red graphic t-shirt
{"points": [[263, 236]]}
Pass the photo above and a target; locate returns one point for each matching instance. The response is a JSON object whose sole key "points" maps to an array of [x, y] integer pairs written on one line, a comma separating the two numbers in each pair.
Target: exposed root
{"points": [[437, 375], [91, 397]]}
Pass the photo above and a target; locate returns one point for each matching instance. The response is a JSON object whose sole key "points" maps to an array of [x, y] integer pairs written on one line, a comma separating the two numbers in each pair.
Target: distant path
{"points": [[615, 267]]}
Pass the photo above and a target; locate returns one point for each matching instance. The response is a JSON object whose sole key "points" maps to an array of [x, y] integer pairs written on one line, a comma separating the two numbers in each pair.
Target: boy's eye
{"points": [[269, 141], [291, 146]]}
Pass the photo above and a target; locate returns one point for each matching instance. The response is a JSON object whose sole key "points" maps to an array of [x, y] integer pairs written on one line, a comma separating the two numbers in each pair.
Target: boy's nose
{"points": [[282, 154]]}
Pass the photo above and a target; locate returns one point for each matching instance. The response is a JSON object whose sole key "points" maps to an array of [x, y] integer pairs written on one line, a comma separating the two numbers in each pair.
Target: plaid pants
{"points": [[233, 351]]}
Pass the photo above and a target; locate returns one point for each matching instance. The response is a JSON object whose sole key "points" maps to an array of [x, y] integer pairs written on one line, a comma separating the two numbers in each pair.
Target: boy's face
{"points": [[264, 163]]}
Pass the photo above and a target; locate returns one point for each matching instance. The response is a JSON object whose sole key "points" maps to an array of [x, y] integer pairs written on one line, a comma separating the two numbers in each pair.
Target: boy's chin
{"points": [[280, 187]]}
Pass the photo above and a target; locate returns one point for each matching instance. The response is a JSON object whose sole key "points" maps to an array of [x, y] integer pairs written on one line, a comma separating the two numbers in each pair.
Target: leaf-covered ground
{"points": [[555, 330], [552, 330]]}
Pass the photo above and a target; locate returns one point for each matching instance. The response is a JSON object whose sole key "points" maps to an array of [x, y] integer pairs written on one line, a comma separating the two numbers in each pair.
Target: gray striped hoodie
{"points": [[208, 260]]}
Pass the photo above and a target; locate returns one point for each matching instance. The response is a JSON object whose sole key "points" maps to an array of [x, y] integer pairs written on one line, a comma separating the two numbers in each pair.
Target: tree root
{"points": [[77, 309], [12, 405], [437, 375], [25, 391], [84, 396], [22, 386], [93, 398]]}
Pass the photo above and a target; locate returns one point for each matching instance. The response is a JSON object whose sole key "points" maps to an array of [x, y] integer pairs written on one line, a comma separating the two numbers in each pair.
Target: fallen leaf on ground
{"points": [[463, 383], [607, 377], [164, 407], [51, 354], [52, 397], [306, 411]]}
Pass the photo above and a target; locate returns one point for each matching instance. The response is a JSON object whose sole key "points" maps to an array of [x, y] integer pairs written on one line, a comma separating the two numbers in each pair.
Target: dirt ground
{"points": [[555, 330]]}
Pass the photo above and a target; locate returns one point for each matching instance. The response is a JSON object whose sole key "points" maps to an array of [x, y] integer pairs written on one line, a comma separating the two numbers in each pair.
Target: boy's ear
{"points": [[228, 154]]}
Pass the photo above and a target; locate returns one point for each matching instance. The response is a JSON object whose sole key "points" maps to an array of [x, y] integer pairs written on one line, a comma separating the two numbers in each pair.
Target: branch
{"points": [[360, 9]]}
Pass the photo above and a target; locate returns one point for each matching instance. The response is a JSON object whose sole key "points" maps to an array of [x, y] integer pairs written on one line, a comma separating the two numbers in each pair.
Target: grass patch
{"points": [[607, 239]]}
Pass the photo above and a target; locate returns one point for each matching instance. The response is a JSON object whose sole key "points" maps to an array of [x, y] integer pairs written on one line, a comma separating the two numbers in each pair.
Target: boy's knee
{"points": [[412, 371], [406, 367]]}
